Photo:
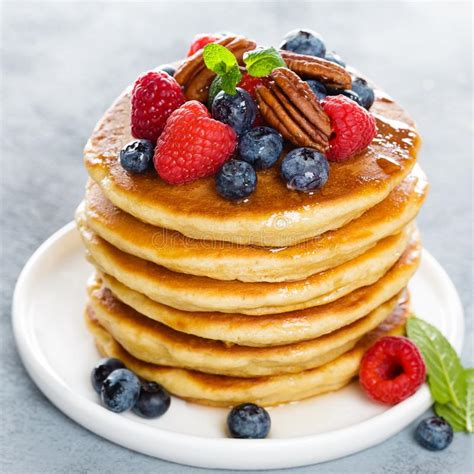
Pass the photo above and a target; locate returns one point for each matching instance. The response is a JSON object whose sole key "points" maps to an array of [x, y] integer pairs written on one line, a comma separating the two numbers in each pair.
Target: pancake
{"points": [[219, 390], [192, 293], [154, 342], [275, 329], [273, 215], [227, 261]]}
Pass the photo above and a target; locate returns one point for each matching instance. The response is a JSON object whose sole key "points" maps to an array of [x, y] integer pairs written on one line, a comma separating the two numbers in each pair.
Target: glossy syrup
{"points": [[390, 157]]}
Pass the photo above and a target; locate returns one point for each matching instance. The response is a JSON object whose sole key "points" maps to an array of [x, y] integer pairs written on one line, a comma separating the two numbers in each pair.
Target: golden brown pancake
{"points": [[219, 390], [270, 300], [273, 215], [227, 261], [192, 293], [154, 342], [274, 329]]}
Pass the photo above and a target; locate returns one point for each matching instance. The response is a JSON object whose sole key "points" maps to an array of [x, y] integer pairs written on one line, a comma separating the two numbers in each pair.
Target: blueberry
{"points": [[248, 421], [304, 42], [236, 180], [153, 401], [350, 94], [365, 92], [168, 68], [335, 58], [261, 147], [305, 169], [318, 88], [120, 390], [434, 433], [237, 110], [102, 370], [137, 156]]}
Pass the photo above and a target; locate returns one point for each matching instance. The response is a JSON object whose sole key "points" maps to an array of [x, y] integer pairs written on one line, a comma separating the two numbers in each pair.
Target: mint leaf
{"points": [[221, 61], [230, 80], [461, 418], [454, 416], [218, 58], [469, 374], [262, 61], [446, 376]]}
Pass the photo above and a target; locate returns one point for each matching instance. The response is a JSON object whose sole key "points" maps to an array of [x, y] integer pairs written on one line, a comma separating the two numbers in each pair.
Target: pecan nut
{"points": [[289, 105], [311, 67], [196, 78]]}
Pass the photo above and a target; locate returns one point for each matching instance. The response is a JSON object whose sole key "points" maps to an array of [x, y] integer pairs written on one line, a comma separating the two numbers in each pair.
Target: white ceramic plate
{"points": [[59, 354]]}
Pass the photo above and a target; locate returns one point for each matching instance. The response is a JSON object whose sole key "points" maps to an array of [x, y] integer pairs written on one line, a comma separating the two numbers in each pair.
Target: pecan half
{"points": [[193, 74], [311, 67], [289, 105]]}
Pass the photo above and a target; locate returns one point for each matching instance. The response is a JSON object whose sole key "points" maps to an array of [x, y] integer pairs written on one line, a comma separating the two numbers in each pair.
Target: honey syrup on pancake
{"points": [[396, 141]]}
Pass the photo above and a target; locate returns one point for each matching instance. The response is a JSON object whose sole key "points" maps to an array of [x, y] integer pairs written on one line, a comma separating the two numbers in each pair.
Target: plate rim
{"points": [[173, 444]]}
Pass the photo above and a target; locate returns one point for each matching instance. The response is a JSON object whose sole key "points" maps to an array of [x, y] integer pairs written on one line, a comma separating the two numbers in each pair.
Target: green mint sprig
{"points": [[445, 371], [259, 62], [451, 386], [262, 61], [220, 60], [462, 417]]}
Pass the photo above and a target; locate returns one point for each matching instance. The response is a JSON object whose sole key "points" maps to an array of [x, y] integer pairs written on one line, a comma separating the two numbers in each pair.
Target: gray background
{"points": [[62, 65]]}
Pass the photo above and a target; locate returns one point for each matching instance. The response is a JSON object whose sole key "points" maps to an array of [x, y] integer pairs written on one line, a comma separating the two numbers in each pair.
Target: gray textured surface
{"points": [[62, 65]]}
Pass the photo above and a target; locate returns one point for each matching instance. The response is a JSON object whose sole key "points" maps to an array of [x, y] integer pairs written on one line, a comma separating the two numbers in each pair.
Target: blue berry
{"points": [[318, 88], [365, 93], [153, 401], [236, 180], [304, 42], [137, 156], [248, 421], [335, 58], [261, 147], [305, 169], [349, 93], [434, 433], [237, 110], [168, 68], [102, 370], [120, 390]]}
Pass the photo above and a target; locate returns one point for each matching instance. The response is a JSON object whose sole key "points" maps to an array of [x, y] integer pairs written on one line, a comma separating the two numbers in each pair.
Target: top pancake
{"points": [[273, 216]]}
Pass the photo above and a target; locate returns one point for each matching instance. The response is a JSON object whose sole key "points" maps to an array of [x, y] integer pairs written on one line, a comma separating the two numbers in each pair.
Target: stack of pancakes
{"points": [[269, 300]]}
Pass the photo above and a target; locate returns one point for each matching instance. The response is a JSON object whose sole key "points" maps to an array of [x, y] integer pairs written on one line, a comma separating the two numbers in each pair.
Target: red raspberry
{"points": [[193, 145], [200, 41], [392, 370], [154, 96], [353, 127], [250, 83]]}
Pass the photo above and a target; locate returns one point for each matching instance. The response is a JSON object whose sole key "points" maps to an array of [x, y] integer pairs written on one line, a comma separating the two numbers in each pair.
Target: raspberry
{"points": [[353, 127], [250, 83], [392, 370], [193, 145], [154, 96], [201, 40]]}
